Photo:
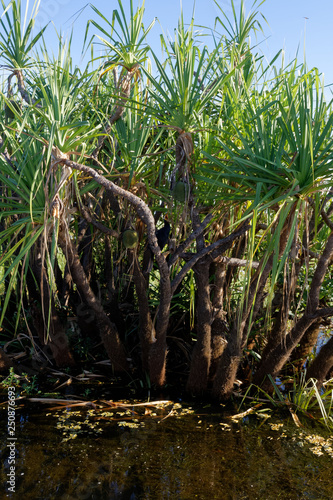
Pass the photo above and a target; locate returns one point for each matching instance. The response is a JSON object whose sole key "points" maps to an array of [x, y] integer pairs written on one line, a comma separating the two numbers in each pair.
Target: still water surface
{"points": [[168, 452]]}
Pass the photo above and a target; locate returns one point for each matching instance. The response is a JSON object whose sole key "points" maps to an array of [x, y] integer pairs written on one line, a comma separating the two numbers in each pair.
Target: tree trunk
{"points": [[227, 369], [107, 329], [322, 364], [201, 357], [274, 361], [157, 360], [219, 327], [278, 356], [159, 350], [279, 331], [50, 329], [146, 329], [307, 344], [85, 239]]}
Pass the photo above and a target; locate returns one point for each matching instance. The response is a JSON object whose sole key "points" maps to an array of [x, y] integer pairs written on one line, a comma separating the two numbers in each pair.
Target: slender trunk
{"points": [[146, 328], [277, 357], [201, 357], [219, 326], [306, 346], [228, 366], [227, 370], [237, 253], [85, 239], [322, 364], [158, 359], [50, 330], [107, 265], [282, 302], [107, 329]]}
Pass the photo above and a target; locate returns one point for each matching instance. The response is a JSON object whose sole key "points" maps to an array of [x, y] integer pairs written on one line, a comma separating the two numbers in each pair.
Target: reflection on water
{"points": [[89, 455]]}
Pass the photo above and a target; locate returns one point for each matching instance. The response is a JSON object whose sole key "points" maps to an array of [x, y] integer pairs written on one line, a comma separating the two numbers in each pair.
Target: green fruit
{"points": [[180, 191], [130, 238]]}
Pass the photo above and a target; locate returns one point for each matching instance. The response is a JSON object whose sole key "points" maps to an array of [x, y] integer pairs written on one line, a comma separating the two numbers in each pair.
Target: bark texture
{"points": [[228, 366], [107, 329], [146, 329], [201, 357], [322, 364], [276, 358], [50, 330]]}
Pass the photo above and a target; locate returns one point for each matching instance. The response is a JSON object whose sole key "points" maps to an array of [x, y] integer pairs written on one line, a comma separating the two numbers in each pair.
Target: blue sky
{"points": [[287, 27]]}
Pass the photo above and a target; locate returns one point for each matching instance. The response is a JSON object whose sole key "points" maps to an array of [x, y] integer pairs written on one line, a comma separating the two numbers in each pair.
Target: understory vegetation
{"points": [[171, 213]]}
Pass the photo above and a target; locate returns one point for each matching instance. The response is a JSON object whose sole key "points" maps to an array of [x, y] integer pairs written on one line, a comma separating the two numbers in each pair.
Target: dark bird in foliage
{"points": [[162, 236]]}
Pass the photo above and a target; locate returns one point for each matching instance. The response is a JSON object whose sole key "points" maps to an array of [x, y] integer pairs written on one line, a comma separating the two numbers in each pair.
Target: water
{"points": [[168, 452]]}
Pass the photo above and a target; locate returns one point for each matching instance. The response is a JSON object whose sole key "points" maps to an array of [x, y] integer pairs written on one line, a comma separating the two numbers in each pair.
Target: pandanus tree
{"points": [[23, 176], [236, 156], [280, 159], [53, 118]]}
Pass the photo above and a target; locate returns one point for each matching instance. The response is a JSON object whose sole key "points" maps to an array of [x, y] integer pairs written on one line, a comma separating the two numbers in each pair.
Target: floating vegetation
{"points": [[225, 427], [321, 445], [131, 425], [124, 414], [70, 423], [275, 427]]}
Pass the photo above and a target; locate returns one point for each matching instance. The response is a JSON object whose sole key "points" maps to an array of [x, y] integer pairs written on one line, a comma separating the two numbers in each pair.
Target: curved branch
{"points": [[145, 214], [24, 93], [107, 329], [177, 254], [141, 208], [214, 250], [323, 312]]}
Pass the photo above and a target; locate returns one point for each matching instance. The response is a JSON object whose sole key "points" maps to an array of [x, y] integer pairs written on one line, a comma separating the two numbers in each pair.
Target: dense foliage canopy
{"points": [[229, 156]]}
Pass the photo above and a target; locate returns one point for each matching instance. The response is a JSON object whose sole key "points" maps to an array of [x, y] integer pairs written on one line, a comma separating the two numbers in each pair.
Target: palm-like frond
{"points": [[195, 78], [16, 42], [62, 109], [125, 41]]}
